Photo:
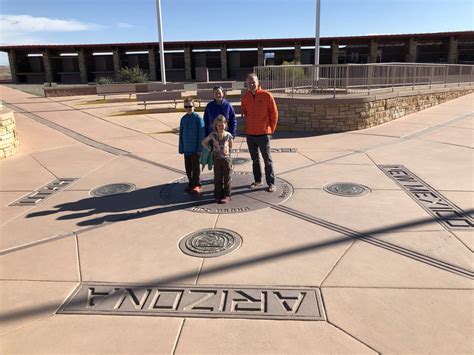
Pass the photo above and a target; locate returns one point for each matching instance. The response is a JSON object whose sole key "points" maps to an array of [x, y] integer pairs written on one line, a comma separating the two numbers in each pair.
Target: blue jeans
{"points": [[262, 142]]}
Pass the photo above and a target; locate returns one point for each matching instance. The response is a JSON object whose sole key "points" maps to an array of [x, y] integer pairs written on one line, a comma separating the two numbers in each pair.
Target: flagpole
{"points": [[160, 38], [316, 45]]}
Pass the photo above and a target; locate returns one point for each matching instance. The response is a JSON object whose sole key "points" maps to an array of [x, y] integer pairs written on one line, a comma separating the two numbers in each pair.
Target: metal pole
{"points": [[160, 38], [316, 45]]}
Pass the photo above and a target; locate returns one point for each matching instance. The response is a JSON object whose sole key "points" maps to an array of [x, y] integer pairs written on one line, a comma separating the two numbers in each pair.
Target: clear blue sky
{"points": [[114, 21]]}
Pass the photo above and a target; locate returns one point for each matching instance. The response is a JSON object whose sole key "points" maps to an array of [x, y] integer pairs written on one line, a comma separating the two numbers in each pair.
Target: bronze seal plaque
{"points": [[210, 243], [112, 189], [346, 189]]}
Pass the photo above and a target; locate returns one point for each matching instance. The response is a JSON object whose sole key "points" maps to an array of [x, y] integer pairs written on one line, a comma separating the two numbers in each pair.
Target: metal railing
{"points": [[360, 78]]}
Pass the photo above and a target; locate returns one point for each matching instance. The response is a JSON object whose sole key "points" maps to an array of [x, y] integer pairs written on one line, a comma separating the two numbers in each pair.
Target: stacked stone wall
{"points": [[340, 115], [9, 142]]}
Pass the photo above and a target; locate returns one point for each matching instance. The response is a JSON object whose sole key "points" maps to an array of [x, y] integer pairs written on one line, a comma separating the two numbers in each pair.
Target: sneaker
{"points": [[255, 184], [224, 200], [271, 188], [218, 200], [195, 190]]}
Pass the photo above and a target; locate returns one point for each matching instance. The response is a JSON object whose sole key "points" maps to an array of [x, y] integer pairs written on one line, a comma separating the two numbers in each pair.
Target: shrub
{"points": [[133, 75]]}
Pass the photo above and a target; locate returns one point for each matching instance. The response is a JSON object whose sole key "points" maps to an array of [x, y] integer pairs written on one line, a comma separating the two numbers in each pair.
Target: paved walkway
{"points": [[389, 271]]}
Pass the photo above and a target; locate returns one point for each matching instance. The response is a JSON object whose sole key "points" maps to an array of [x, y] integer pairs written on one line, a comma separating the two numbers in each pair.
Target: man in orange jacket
{"points": [[261, 116]]}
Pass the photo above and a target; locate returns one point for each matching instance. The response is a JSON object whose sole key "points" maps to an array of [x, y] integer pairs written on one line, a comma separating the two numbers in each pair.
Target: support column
{"points": [[48, 67], [297, 52], [13, 66], [453, 51], [83, 66], [188, 63], [412, 49], [152, 63], [373, 51], [335, 52], [224, 62], [261, 57], [117, 63]]}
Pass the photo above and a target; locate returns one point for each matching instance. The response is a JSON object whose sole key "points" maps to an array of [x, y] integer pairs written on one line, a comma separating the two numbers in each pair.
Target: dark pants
{"points": [[255, 143], [222, 178], [191, 164]]}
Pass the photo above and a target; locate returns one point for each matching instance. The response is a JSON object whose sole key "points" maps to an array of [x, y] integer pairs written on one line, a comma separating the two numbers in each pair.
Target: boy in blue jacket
{"points": [[191, 134]]}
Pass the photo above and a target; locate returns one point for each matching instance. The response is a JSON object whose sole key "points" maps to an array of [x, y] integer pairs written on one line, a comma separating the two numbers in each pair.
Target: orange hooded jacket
{"points": [[260, 111]]}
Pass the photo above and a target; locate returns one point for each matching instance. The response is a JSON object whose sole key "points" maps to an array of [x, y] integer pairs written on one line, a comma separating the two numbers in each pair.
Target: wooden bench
{"points": [[165, 87], [203, 86], [159, 96], [208, 95], [116, 89], [204, 95]]}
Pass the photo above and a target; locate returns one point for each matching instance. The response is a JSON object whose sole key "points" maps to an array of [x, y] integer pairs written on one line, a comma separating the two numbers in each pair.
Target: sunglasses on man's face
{"points": [[186, 106]]}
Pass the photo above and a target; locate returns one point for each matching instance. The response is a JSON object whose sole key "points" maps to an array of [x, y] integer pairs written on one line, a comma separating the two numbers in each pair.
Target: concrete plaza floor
{"points": [[390, 275]]}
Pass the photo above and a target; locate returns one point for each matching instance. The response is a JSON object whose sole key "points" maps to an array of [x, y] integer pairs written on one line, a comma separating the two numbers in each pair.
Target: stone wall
{"points": [[9, 142], [340, 114]]}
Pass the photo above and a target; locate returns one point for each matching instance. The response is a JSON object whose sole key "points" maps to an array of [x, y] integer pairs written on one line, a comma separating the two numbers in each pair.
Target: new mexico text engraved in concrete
{"points": [[442, 209], [197, 301]]}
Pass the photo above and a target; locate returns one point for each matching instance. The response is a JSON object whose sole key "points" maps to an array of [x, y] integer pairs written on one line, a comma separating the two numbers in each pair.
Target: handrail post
{"points": [[369, 72], [431, 75], [460, 75], [446, 76], [347, 78], [414, 76], [393, 77], [293, 83]]}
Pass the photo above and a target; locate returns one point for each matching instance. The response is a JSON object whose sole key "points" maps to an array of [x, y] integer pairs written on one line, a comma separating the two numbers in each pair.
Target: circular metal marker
{"points": [[240, 161], [243, 197], [112, 189], [210, 243], [346, 189]]}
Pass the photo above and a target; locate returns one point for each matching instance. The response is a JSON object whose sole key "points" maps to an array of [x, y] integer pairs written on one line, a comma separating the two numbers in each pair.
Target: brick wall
{"points": [[342, 114]]}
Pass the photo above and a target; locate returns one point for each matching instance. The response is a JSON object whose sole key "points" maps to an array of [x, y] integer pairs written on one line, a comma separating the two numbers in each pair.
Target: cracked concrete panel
{"points": [[125, 169], [404, 320], [59, 215], [24, 302], [23, 172], [54, 261], [35, 137], [442, 166], [379, 211], [199, 336], [81, 160], [323, 174], [142, 249], [94, 334], [365, 265], [277, 249]]}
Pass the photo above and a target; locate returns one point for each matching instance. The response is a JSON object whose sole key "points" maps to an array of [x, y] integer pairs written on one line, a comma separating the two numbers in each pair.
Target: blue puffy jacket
{"points": [[191, 134]]}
